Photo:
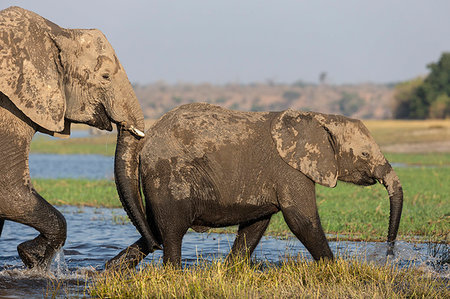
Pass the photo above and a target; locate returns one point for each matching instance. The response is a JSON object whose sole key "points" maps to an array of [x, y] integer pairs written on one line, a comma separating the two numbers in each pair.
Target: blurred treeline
{"points": [[367, 101], [427, 97], [420, 98]]}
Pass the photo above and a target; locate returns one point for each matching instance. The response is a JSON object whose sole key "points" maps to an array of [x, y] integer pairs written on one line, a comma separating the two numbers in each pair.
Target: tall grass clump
{"points": [[291, 278]]}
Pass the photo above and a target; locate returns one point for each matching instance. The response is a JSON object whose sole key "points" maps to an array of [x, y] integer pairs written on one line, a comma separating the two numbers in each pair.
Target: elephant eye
{"points": [[105, 76], [365, 154]]}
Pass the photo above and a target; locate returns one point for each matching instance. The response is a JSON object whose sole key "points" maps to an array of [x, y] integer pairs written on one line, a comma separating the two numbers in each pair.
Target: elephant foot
{"points": [[127, 258], [36, 253]]}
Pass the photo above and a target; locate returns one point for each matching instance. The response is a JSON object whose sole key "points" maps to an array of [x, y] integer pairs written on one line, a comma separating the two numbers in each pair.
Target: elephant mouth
{"points": [[101, 119], [370, 181]]}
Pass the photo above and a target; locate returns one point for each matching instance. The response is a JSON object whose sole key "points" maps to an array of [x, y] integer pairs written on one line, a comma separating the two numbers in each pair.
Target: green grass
{"points": [[385, 132], [349, 211], [354, 212], [78, 192], [293, 278], [101, 145], [434, 159]]}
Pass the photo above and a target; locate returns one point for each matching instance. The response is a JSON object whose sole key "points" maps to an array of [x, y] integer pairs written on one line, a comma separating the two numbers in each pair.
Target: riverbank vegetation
{"points": [[394, 136], [291, 278]]}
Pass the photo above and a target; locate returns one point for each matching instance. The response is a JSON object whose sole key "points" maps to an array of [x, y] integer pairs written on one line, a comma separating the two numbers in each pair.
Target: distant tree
{"points": [[291, 95], [301, 83], [404, 96], [440, 108], [322, 77], [177, 100], [350, 103], [428, 99]]}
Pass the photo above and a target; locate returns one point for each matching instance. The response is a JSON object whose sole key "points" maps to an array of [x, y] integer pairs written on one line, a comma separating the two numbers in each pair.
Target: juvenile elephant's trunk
{"points": [[392, 184], [127, 181]]}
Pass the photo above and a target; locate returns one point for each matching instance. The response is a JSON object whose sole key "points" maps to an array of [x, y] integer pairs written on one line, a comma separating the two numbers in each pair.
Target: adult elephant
{"points": [[51, 77], [204, 166]]}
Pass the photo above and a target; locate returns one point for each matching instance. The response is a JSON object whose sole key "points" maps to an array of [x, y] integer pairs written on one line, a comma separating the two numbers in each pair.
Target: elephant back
{"points": [[199, 128]]}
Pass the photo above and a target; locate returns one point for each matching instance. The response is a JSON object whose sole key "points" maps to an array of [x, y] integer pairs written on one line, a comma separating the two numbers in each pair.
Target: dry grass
{"points": [[295, 278], [406, 133]]}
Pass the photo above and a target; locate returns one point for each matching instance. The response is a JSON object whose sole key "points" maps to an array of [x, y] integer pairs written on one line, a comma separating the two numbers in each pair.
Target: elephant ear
{"points": [[306, 145], [30, 70]]}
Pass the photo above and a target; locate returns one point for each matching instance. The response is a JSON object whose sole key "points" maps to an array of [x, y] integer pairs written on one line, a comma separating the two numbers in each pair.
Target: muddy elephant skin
{"points": [[51, 77], [204, 166]]}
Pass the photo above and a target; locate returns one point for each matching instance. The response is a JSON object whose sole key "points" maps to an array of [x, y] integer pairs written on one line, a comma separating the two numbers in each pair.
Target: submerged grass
{"points": [[292, 278]]}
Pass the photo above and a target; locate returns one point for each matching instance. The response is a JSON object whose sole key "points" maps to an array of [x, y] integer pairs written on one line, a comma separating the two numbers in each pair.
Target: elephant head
{"points": [[327, 148], [57, 76]]}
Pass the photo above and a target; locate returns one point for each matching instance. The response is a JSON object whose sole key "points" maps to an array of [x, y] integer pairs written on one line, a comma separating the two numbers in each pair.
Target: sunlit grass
{"points": [[78, 192], [353, 212], [388, 132], [291, 278], [385, 132], [100, 145]]}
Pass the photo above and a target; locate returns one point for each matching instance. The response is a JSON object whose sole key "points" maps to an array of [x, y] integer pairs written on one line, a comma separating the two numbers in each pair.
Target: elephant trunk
{"points": [[126, 175], [392, 184]]}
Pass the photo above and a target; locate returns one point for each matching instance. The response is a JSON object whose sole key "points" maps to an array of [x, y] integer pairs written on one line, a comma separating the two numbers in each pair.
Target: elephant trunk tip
{"points": [[390, 248]]}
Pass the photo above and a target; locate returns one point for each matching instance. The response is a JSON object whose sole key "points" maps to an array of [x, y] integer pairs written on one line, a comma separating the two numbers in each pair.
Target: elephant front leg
{"points": [[248, 237], [303, 220], [309, 231]]}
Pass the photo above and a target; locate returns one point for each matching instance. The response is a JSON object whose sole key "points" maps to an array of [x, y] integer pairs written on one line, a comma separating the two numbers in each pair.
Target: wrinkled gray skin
{"points": [[51, 77], [204, 166]]}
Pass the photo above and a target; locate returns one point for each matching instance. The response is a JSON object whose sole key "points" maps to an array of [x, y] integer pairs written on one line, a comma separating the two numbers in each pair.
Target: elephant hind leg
{"points": [[29, 208], [248, 236], [130, 257]]}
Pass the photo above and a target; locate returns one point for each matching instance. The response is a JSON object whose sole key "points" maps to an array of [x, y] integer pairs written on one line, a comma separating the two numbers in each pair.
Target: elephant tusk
{"points": [[137, 132]]}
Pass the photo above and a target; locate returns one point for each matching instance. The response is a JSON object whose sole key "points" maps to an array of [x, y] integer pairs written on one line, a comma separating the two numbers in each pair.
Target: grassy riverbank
{"points": [[392, 135], [348, 211], [295, 278]]}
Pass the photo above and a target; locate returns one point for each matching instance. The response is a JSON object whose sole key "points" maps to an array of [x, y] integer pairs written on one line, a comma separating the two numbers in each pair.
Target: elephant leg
{"points": [[34, 211], [2, 223], [19, 202], [248, 236], [172, 241], [131, 256], [303, 220]]}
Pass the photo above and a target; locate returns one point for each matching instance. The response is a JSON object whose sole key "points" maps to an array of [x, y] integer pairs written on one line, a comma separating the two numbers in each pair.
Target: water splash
{"points": [[93, 238], [59, 266]]}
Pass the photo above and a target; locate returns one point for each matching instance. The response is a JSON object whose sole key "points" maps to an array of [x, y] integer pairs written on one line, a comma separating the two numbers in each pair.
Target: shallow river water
{"points": [[95, 235]]}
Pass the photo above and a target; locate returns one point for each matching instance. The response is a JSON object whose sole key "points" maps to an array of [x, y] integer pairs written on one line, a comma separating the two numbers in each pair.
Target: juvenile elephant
{"points": [[51, 77], [204, 166]]}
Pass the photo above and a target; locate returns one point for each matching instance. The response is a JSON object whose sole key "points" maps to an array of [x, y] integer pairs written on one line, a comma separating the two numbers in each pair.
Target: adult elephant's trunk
{"points": [[126, 174], [392, 184]]}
